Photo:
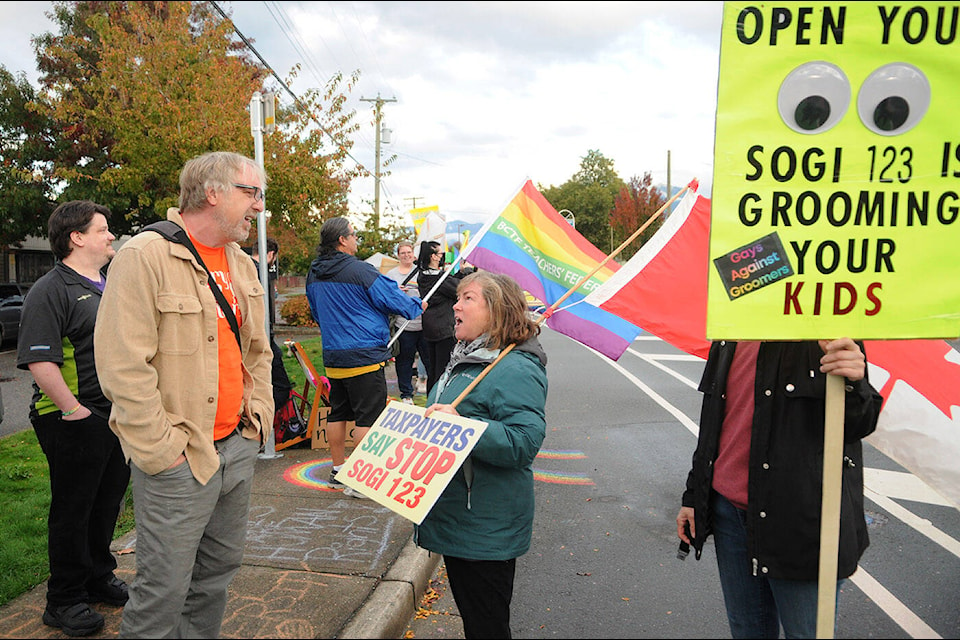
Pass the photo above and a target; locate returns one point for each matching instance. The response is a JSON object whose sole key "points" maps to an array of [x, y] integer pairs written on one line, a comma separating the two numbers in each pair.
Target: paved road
{"points": [[17, 389]]}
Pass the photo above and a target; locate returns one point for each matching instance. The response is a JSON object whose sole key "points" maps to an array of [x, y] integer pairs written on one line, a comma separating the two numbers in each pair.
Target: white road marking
{"points": [[903, 485], [889, 604]]}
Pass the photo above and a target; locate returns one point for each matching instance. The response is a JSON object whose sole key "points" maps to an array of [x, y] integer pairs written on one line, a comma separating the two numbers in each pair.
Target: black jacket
{"points": [[438, 316], [786, 459]]}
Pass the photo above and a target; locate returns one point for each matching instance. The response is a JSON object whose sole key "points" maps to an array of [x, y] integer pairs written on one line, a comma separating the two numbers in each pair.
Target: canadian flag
{"points": [[663, 290]]}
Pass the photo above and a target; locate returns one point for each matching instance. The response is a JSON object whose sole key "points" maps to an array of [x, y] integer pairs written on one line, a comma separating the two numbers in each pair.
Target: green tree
{"points": [[590, 194], [24, 152], [383, 239], [305, 161], [68, 61], [633, 206]]}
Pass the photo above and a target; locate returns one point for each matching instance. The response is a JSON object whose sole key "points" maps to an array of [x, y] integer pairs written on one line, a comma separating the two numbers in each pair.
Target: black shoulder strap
{"points": [[175, 233], [412, 273]]}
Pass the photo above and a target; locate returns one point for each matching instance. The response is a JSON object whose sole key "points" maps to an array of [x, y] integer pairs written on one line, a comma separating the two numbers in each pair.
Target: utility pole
{"points": [[414, 198], [263, 120], [378, 104]]}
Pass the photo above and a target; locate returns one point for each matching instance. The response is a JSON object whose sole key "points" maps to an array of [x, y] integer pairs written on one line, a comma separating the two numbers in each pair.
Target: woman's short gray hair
{"points": [[216, 170]]}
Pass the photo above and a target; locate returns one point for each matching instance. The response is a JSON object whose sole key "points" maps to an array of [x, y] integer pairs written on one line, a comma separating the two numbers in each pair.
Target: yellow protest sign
{"points": [[836, 172], [406, 460], [418, 215]]}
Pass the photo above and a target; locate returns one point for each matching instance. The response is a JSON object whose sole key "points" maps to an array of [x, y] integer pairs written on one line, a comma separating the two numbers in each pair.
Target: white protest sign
{"points": [[406, 460]]}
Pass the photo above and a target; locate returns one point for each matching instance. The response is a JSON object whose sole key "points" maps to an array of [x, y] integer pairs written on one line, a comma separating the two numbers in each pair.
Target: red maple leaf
{"points": [[923, 365]]}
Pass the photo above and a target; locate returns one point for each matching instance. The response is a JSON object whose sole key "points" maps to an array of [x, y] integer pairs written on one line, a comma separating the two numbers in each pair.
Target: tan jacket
{"points": [[155, 344]]}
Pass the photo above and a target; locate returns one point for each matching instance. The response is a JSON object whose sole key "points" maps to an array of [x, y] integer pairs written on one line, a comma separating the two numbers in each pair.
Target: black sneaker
{"points": [[113, 591], [73, 619], [333, 479]]}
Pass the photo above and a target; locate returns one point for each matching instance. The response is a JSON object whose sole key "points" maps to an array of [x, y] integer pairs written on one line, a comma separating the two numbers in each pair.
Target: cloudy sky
{"points": [[488, 94]]}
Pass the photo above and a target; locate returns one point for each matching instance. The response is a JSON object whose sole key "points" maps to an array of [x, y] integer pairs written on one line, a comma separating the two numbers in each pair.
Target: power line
{"points": [[283, 84], [279, 16], [290, 30]]}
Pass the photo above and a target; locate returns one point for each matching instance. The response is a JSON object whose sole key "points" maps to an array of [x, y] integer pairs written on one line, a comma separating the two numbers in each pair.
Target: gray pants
{"points": [[190, 543]]}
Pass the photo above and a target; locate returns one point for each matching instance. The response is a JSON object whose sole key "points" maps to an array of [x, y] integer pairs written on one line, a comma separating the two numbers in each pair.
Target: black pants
{"points": [[281, 381], [88, 478], [439, 351], [482, 590]]}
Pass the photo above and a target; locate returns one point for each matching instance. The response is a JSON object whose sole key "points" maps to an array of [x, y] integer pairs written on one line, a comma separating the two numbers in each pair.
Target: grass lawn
{"points": [[314, 350], [24, 503]]}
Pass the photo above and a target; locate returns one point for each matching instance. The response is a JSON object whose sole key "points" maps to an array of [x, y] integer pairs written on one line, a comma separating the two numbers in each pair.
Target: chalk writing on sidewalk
{"points": [[346, 532]]}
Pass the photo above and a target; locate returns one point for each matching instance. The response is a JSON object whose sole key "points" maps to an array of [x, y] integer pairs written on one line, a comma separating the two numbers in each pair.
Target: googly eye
{"points": [[893, 99], [814, 97]]}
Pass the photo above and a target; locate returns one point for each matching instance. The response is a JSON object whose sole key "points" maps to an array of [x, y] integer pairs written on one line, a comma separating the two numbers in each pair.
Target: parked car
{"points": [[11, 303]]}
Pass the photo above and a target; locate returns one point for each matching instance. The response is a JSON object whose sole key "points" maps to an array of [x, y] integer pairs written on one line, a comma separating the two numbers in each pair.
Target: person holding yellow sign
{"points": [[483, 521], [755, 484]]}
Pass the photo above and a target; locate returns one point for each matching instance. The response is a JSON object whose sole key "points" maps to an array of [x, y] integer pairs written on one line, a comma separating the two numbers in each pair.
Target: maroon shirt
{"points": [[731, 469]]}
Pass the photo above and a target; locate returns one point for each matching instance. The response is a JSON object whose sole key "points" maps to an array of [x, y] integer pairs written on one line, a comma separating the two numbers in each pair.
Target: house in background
{"points": [[26, 263]]}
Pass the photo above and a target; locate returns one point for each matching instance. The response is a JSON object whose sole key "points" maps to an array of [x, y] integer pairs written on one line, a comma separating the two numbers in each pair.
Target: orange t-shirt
{"points": [[230, 380]]}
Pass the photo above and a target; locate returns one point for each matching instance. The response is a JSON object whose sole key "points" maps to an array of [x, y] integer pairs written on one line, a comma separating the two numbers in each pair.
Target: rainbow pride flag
{"points": [[538, 248]]}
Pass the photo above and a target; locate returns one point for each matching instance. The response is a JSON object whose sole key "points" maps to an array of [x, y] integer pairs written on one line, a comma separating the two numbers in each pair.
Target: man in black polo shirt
{"points": [[88, 471]]}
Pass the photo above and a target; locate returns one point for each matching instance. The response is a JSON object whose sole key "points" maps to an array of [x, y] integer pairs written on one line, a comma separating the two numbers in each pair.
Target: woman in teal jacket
{"points": [[483, 521]]}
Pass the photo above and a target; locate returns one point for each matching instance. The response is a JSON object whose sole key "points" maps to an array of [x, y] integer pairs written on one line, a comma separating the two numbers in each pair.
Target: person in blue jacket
{"points": [[352, 301], [483, 520]]}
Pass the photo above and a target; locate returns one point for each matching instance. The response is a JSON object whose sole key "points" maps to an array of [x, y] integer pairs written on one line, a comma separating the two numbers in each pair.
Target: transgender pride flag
{"points": [[538, 248]]}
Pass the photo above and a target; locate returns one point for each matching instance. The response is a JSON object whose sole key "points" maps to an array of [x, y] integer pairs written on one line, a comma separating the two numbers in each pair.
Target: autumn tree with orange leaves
{"points": [[135, 89], [632, 207]]}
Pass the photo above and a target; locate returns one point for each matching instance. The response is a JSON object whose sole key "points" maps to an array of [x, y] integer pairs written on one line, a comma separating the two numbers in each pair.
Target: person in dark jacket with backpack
{"points": [[281, 381], [757, 475], [352, 301]]}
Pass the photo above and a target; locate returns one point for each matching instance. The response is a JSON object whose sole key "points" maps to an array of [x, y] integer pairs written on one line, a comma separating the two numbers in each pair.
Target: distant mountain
{"points": [[455, 227]]}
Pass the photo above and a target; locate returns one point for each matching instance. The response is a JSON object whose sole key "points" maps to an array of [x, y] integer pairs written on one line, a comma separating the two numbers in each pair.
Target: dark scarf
{"points": [[460, 351]]}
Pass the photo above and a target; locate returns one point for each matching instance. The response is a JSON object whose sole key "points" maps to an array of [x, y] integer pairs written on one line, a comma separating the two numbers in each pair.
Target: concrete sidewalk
{"points": [[317, 564]]}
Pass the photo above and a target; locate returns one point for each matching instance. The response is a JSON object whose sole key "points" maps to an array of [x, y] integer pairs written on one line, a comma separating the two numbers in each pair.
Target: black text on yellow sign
{"points": [[835, 133]]}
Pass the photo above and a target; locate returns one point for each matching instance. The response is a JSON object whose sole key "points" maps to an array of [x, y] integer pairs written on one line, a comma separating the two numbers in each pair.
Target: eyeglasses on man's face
{"points": [[256, 192]]}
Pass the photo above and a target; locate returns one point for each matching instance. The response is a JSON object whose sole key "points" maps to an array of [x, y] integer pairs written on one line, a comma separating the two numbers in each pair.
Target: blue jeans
{"points": [[757, 606], [411, 343]]}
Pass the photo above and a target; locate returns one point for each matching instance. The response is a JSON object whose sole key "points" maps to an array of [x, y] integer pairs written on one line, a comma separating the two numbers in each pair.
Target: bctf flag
{"points": [[538, 248]]}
